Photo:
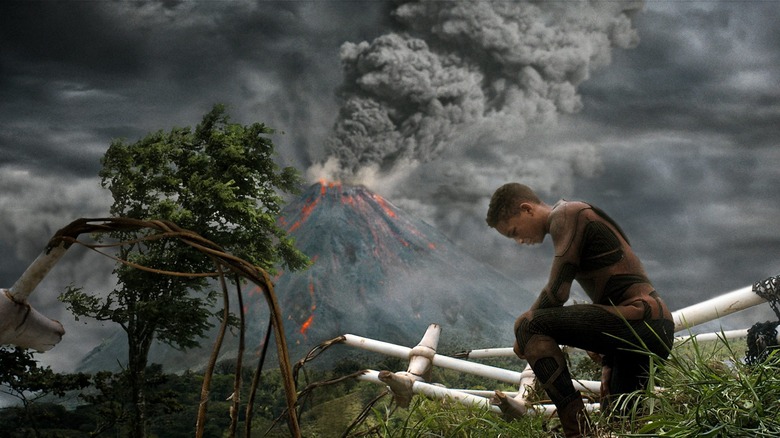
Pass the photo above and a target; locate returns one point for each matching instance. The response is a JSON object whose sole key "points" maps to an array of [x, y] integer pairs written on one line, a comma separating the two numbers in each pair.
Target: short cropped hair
{"points": [[506, 201]]}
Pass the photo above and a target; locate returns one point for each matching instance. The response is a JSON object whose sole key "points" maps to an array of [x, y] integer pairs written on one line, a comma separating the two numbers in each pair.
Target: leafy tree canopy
{"points": [[219, 180]]}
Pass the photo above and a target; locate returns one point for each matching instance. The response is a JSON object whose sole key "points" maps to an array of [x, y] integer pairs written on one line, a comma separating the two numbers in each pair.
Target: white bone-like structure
{"points": [[20, 324], [404, 384]]}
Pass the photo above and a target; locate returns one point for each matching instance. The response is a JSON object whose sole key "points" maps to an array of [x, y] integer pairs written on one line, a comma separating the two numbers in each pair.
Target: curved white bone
{"points": [[23, 326]]}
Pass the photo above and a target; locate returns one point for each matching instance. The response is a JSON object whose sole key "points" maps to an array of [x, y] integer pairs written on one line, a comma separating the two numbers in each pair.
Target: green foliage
{"points": [[709, 391], [173, 402], [219, 180], [111, 394], [21, 377], [41, 420]]}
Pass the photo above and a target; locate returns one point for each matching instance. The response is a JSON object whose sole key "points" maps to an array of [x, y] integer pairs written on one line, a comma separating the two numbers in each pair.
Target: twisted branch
{"points": [[68, 236]]}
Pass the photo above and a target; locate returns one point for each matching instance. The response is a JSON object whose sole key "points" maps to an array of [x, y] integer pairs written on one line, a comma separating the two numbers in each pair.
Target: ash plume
{"points": [[467, 80], [465, 96]]}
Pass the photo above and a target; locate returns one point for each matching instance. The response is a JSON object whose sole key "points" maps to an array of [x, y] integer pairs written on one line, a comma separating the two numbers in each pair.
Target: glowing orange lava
{"points": [[306, 324], [325, 184], [382, 203], [311, 205]]}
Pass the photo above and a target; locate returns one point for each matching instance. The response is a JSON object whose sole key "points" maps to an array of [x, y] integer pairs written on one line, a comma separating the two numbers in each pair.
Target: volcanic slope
{"points": [[381, 273]]}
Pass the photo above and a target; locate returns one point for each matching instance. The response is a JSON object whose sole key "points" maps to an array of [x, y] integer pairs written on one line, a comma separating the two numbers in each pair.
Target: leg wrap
{"points": [[554, 376], [549, 365], [551, 371]]}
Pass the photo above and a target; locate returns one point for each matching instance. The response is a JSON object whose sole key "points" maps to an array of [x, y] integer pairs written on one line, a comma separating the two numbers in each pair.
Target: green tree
{"points": [[219, 180], [21, 377], [112, 393]]}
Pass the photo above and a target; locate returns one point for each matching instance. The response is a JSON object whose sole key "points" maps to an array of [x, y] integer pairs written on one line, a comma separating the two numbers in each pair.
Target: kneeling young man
{"points": [[591, 249]]}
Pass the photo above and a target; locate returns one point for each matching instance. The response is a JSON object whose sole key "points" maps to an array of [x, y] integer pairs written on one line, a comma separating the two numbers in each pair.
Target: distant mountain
{"points": [[377, 272]]}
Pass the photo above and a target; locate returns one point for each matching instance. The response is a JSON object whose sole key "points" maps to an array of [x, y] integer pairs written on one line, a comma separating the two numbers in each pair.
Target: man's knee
{"points": [[518, 353], [522, 333]]}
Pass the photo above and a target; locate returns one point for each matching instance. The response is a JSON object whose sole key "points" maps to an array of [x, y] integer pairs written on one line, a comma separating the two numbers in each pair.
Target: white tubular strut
{"points": [[452, 363], [404, 385], [35, 273], [715, 308], [417, 387], [440, 392], [20, 324], [25, 327], [421, 356]]}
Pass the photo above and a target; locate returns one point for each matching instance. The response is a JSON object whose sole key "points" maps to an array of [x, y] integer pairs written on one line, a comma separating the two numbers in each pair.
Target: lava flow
{"points": [[378, 236], [376, 267]]}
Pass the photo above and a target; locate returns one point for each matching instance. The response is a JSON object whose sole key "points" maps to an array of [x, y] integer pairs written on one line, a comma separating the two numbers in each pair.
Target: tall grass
{"points": [[707, 391], [434, 418]]}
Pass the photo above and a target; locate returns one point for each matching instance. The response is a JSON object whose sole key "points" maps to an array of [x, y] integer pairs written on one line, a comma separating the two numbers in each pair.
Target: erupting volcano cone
{"points": [[382, 273]]}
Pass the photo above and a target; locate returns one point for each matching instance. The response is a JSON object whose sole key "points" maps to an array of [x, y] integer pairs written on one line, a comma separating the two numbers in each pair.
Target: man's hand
{"points": [[595, 357], [606, 373]]}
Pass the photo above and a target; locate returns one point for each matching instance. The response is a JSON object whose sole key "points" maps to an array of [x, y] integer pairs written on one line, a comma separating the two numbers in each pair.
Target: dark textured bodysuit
{"points": [[626, 315]]}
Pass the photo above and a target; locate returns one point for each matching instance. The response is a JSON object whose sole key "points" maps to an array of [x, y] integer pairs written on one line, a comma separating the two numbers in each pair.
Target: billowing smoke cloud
{"points": [[468, 79], [466, 96]]}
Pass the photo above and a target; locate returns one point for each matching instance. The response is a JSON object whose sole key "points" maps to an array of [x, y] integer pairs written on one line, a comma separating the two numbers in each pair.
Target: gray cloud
{"points": [[119, 69], [701, 68]]}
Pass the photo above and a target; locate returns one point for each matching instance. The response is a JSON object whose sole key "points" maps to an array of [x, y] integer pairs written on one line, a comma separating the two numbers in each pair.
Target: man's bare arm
{"points": [[565, 235]]}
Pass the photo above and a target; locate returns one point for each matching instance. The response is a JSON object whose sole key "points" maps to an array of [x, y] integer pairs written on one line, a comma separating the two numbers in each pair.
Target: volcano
{"points": [[382, 273], [377, 272]]}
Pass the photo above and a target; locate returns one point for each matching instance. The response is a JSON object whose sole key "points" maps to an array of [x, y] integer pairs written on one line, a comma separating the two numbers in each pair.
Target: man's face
{"points": [[524, 227]]}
